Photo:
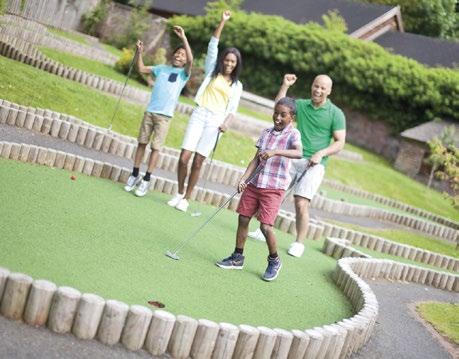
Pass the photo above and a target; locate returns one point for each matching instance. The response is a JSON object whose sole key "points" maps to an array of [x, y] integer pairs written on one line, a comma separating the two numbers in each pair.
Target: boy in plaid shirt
{"points": [[264, 194]]}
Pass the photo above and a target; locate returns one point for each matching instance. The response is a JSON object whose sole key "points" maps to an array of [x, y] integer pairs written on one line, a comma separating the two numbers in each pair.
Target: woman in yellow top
{"points": [[217, 101]]}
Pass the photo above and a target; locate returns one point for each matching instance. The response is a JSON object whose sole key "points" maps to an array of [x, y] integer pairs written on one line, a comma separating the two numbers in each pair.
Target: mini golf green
{"points": [[90, 234]]}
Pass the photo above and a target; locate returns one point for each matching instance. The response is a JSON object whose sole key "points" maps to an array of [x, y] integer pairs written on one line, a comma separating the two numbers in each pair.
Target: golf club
{"points": [[206, 177], [124, 86], [174, 254]]}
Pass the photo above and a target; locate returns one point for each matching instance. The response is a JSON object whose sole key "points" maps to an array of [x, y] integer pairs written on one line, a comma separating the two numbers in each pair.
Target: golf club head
{"points": [[172, 255]]}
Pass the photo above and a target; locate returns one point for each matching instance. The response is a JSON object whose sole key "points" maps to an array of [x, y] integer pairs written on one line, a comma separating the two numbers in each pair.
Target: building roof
{"points": [[427, 131], [426, 50], [355, 14]]}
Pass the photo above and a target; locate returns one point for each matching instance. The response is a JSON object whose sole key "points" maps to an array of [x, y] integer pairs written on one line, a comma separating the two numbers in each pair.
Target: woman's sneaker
{"points": [[182, 205], [296, 249], [175, 200], [143, 188], [132, 182], [257, 235], [273, 269], [234, 261]]}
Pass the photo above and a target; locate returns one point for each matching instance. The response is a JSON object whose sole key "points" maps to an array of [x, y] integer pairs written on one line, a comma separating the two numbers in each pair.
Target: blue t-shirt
{"points": [[166, 91]]}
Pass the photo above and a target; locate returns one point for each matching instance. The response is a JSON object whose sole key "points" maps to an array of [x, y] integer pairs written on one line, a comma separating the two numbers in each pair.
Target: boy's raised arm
{"points": [[289, 80], [140, 65], [189, 55]]}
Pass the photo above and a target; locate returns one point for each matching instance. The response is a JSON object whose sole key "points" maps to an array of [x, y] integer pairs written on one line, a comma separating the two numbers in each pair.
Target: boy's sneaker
{"points": [[175, 200], [132, 182], [296, 249], [274, 267], [234, 261], [143, 188], [182, 205], [258, 235]]}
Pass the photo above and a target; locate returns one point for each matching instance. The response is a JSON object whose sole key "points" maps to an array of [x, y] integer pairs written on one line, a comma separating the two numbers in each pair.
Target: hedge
{"points": [[366, 77]]}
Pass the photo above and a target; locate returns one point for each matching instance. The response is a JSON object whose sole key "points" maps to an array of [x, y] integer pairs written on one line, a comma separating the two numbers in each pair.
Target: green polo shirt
{"points": [[317, 125]]}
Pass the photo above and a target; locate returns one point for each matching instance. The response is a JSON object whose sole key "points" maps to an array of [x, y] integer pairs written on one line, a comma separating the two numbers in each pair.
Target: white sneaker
{"points": [[143, 188], [175, 200], [296, 249], [182, 205], [258, 235], [132, 182]]}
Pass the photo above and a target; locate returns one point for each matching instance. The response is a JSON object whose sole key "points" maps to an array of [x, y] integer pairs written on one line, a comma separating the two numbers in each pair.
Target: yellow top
{"points": [[216, 95]]}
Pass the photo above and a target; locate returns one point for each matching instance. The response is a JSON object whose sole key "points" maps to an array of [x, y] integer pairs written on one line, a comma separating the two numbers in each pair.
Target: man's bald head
{"points": [[321, 89]]}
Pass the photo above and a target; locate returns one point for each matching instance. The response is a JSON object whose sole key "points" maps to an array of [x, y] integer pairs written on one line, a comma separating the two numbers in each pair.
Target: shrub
{"points": [[92, 19], [366, 77], [139, 21], [436, 18]]}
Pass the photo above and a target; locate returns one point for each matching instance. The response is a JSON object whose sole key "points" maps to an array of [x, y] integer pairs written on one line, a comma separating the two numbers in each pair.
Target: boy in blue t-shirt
{"points": [[169, 82]]}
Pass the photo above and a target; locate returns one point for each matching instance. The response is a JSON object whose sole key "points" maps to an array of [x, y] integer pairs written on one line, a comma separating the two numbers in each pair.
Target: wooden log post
{"points": [[182, 337], [204, 339], [112, 322], [136, 327], [88, 316], [63, 308], [226, 341], [159, 333], [39, 302], [15, 295]]}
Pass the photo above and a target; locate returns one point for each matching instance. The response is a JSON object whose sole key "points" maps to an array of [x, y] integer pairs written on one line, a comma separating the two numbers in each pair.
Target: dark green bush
{"points": [[366, 77], [436, 18]]}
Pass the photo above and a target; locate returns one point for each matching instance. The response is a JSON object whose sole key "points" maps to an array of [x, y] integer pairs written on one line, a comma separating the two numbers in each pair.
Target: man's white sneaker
{"points": [[132, 182], [257, 235], [175, 200], [182, 205], [296, 249], [142, 189]]}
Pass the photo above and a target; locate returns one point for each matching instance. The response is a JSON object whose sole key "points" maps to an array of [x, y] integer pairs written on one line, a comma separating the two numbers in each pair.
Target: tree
{"points": [[333, 21], [444, 158]]}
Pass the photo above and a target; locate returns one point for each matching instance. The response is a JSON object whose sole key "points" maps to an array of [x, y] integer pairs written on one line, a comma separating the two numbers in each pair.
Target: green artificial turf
{"points": [[90, 234], [444, 317]]}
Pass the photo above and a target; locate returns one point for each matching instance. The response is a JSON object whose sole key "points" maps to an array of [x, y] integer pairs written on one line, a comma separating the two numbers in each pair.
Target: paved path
{"points": [[398, 335], [20, 135], [20, 341]]}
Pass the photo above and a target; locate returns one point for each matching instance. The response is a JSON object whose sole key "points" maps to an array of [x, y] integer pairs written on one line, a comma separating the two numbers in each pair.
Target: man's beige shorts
{"points": [[155, 124], [310, 182]]}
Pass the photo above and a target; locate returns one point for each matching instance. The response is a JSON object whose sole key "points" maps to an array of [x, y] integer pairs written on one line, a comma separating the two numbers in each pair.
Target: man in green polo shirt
{"points": [[319, 122]]}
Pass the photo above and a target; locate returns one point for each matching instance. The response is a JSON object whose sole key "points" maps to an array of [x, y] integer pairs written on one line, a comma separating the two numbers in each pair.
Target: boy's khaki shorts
{"points": [[155, 124]]}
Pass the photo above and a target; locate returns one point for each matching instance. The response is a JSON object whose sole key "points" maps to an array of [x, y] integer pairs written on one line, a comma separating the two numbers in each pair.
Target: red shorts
{"points": [[265, 201]]}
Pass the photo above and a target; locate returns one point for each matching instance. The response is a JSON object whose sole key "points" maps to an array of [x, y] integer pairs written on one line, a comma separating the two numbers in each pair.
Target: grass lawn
{"points": [[377, 175], [29, 86], [380, 255], [69, 35], [90, 66], [50, 91], [92, 235], [444, 317], [409, 237]]}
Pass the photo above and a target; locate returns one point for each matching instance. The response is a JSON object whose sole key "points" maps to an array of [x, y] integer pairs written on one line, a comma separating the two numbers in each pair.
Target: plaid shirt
{"points": [[275, 173]]}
